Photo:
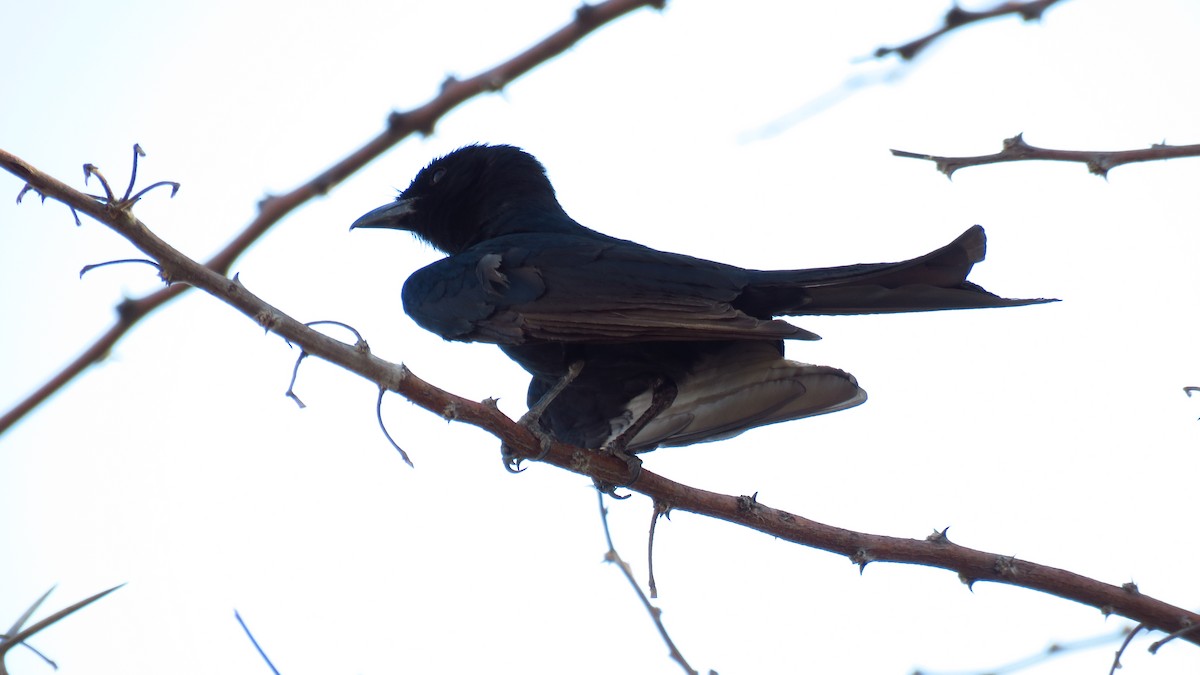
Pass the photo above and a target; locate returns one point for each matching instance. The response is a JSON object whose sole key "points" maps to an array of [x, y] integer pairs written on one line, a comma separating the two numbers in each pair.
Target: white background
{"points": [[1057, 433]]}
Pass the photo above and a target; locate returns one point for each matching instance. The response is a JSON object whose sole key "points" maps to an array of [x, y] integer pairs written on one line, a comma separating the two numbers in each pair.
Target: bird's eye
{"points": [[437, 175]]}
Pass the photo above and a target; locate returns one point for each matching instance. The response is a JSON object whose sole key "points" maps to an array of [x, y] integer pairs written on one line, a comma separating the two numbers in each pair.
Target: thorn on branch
{"points": [[939, 536], [29, 188], [862, 557]]}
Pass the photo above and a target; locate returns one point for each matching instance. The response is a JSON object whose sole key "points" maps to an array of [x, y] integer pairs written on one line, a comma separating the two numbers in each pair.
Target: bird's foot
{"points": [[512, 461], [532, 420], [635, 471]]}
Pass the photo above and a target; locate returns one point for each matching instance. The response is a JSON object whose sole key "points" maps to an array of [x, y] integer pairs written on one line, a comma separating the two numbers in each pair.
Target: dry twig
{"points": [[1098, 162], [957, 17]]}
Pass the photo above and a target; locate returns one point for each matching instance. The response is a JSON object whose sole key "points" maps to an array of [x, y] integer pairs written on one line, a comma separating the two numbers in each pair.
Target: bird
{"points": [[630, 348]]}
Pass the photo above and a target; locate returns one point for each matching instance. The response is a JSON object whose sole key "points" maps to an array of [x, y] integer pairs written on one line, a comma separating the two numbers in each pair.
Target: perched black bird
{"points": [[648, 348]]}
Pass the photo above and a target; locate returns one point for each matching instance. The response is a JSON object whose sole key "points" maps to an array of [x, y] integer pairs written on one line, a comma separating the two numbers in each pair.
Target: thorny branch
{"points": [[936, 550], [400, 125], [957, 17], [1098, 162]]}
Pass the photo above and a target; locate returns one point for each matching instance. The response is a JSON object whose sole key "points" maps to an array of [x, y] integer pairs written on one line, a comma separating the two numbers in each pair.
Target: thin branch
{"points": [[254, 642], [1121, 650], [972, 566], [400, 125], [957, 17], [10, 641], [655, 613], [1098, 162]]}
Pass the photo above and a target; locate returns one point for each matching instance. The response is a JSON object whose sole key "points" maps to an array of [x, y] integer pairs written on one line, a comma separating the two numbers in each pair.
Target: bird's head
{"points": [[472, 194]]}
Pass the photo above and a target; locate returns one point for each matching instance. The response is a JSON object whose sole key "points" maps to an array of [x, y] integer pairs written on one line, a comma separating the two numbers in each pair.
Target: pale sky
{"points": [[1057, 433]]}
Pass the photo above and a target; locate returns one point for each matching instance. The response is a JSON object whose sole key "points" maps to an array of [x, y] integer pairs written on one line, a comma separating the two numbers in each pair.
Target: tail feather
{"points": [[934, 281]]}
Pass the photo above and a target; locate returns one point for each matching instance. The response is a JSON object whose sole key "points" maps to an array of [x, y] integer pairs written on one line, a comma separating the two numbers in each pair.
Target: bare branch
{"points": [[400, 125], [957, 17], [1098, 162], [938, 551], [655, 613], [254, 642], [7, 642]]}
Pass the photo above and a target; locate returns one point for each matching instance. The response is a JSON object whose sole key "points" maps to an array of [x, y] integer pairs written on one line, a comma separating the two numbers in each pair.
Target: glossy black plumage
{"points": [[522, 274]]}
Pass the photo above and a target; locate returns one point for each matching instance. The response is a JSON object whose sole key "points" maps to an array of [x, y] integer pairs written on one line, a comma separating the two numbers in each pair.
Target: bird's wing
{"points": [[739, 387], [567, 288]]}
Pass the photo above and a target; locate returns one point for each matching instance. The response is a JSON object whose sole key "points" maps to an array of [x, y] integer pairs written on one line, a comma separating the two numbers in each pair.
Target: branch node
{"points": [[967, 581], [267, 319], [1130, 588], [581, 461], [861, 557], [1006, 566]]}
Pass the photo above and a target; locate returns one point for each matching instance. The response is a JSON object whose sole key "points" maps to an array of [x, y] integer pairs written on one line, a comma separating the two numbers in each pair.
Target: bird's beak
{"points": [[392, 216]]}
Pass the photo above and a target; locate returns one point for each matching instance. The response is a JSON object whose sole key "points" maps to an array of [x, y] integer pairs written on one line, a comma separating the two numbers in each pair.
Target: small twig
{"points": [[291, 393], [18, 637], [27, 189], [90, 170], [359, 343], [1153, 649], [655, 613], [254, 642], [89, 268], [1124, 645], [660, 510], [957, 17], [379, 416], [137, 152], [1098, 162], [16, 627]]}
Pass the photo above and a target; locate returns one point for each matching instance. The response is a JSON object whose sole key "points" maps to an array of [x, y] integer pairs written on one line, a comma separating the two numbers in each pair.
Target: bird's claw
{"points": [[512, 461], [635, 470]]}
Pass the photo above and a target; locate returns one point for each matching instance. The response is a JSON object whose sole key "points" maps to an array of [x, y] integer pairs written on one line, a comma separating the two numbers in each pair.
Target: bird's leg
{"points": [[662, 395], [532, 418]]}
